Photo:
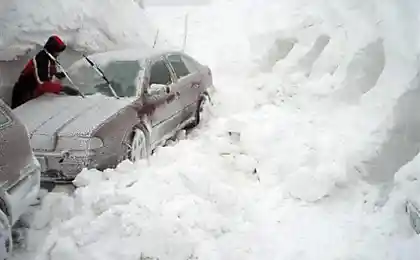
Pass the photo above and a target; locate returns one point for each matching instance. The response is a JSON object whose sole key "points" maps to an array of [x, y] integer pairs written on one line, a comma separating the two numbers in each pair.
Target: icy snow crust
{"points": [[309, 94]]}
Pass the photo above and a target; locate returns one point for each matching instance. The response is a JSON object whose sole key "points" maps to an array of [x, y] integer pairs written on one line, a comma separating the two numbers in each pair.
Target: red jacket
{"points": [[36, 77]]}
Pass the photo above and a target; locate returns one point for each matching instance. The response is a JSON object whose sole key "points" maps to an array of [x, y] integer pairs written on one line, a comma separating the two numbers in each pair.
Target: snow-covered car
{"points": [[19, 174], [145, 98]]}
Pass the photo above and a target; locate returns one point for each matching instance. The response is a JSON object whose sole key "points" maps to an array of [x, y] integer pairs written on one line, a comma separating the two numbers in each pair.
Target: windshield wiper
{"points": [[102, 74]]}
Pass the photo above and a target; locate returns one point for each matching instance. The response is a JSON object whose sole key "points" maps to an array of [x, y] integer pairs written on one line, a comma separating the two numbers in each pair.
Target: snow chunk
{"points": [[88, 177], [310, 184]]}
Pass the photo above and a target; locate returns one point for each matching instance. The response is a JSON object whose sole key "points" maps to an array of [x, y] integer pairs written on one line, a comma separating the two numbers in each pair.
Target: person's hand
{"points": [[71, 91]]}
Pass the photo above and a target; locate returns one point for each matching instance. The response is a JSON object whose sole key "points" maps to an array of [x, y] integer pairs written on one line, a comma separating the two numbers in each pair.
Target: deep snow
{"points": [[311, 100], [86, 26]]}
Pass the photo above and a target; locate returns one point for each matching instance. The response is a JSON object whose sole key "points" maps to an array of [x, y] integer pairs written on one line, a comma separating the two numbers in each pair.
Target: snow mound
{"points": [[84, 25], [221, 201]]}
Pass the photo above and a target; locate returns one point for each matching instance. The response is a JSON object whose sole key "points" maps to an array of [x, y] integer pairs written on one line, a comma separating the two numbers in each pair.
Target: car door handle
{"points": [[195, 85], [175, 96]]}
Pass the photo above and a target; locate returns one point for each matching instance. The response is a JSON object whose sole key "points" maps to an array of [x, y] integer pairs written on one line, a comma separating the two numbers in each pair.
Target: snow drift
{"points": [[86, 26], [89, 25], [315, 98]]}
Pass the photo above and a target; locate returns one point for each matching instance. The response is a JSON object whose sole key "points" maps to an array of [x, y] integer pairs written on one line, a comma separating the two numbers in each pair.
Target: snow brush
{"points": [[65, 73]]}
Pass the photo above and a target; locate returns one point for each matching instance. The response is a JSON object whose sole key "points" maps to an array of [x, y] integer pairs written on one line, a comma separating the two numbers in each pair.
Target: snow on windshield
{"points": [[123, 76]]}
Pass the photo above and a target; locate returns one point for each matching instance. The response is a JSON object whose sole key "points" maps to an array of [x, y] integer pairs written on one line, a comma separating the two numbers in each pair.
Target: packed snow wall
{"points": [[357, 57], [360, 54], [86, 26]]}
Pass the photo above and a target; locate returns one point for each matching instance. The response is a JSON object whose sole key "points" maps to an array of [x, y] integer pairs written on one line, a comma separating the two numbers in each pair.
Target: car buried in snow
{"points": [[145, 98], [19, 175]]}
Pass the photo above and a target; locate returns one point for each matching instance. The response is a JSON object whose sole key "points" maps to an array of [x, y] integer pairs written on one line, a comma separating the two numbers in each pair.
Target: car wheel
{"points": [[6, 241], [202, 106], [138, 148]]}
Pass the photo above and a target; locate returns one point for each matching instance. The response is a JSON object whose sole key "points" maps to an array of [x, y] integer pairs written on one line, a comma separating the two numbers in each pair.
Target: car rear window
{"points": [[179, 66]]}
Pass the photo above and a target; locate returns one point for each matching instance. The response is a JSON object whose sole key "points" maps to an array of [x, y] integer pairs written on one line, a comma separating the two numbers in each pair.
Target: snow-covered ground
{"points": [[311, 103]]}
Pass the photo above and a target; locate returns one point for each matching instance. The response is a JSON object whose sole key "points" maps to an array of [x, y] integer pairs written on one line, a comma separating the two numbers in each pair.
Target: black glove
{"points": [[71, 91], [60, 75]]}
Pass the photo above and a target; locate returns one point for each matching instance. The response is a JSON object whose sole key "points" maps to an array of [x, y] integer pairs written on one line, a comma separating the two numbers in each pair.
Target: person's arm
{"points": [[42, 67], [43, 77]]}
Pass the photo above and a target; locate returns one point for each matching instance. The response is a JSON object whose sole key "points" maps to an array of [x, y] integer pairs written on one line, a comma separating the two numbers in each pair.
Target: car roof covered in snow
{"points": [[127, 55], [103, 58]]}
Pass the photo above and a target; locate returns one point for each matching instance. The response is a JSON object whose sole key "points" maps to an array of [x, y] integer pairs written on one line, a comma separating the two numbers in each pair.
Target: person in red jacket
{"points": [[40, 75]]}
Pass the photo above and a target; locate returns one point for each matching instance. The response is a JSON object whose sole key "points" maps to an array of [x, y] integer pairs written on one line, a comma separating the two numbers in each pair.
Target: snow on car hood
{"points": [[51, 116]]}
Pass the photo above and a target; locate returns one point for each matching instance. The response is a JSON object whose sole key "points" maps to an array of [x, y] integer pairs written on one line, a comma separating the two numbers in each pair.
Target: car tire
{"points": [[138, 148], [6, 239], [201, 104]]}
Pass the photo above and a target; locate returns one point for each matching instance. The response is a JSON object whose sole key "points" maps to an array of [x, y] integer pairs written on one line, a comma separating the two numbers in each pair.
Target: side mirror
{"points": [[158, 89]]}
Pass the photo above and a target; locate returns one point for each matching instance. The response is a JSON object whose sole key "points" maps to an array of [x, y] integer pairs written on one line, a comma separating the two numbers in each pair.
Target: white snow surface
{"points": [[90, 25], [307, 93]]}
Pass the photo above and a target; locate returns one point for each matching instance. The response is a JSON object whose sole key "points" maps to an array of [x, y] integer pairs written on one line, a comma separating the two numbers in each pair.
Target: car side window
{"points": [[190, 64], [160, 74], [179, 66]]}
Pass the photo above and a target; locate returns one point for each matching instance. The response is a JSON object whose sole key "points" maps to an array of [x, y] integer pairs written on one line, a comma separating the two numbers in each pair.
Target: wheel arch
{"points": [[129, 134], [5, 205]]}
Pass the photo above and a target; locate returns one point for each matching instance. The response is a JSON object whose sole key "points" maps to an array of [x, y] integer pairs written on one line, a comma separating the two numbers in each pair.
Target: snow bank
{"points": [[232, 199], [86, 26], [356, 57]]}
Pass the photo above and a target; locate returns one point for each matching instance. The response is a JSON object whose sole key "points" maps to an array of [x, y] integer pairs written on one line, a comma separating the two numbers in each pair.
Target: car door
{"points": [[163, 120], [188, 79]]}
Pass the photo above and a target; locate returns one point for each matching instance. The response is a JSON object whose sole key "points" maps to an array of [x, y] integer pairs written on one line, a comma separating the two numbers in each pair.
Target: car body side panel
{"points": [[25, 192], [19, 170], [166, 115], [15, 150], [116, 136]]}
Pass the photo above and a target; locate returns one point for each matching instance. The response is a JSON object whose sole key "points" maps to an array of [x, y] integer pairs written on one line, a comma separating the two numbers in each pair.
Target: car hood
{"points": [[50, 116]]}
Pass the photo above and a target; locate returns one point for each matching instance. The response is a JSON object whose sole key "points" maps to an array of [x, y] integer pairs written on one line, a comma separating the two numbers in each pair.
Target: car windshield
{"points": [[121, 74]]}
